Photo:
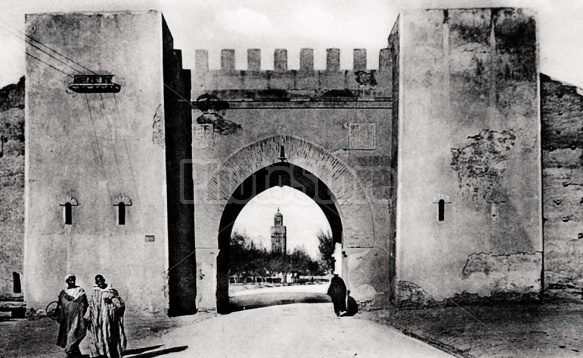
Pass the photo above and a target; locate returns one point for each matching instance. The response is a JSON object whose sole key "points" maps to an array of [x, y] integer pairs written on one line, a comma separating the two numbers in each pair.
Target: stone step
{"points": [[11, 305], [11, 297]]}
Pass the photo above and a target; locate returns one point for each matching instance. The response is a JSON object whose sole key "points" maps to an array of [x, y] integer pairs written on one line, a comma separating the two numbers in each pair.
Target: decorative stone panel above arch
{"points": [[347, 190]]}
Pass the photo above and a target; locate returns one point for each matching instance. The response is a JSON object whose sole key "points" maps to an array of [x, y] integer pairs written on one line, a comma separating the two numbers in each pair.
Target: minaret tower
{"points": [[278, 234]]}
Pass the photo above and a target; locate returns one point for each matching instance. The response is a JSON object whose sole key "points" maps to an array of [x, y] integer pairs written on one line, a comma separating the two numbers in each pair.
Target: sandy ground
{"points": [[295, 330], [312, 330], [36, 338], [512, 330]]}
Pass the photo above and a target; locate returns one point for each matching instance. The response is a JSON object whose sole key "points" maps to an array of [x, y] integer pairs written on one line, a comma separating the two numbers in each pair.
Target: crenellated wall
{"points": [[303, 84]]}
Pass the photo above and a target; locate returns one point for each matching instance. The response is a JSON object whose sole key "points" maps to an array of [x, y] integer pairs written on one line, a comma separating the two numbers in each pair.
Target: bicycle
{"points": [[52, 310]]}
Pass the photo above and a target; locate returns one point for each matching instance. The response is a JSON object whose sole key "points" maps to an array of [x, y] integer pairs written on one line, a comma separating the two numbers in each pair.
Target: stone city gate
{"points": [[331, 126], [449, 122], [328, 123], [333, 185]]}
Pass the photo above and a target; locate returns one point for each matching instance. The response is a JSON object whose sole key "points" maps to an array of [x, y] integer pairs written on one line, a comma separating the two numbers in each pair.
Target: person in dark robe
{"points": [[72, 307], [106, 321], [351, 306], [337, 291]]}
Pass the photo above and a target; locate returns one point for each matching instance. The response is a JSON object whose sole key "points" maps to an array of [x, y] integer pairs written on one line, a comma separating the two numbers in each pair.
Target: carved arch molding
{"points": [[349, 195]]}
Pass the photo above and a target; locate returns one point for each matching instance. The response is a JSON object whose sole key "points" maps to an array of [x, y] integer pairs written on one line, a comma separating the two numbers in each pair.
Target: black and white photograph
{"points": [[291, 178]]}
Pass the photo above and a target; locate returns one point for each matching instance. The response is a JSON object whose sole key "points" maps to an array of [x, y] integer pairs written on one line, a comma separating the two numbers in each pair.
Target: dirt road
{"points": [[297, 330]]}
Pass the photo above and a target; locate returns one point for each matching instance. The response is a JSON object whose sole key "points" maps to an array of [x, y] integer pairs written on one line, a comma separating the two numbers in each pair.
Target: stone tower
{"points": [[103, 153], [278, 234]]}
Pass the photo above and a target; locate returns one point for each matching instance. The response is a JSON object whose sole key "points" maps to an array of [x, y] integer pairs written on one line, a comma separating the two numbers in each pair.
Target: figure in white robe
{"points": [[105, 316], [72, 308]]}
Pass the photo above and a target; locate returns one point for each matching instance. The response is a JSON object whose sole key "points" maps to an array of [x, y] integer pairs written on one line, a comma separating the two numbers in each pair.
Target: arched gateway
{"points": [[304, 166]]}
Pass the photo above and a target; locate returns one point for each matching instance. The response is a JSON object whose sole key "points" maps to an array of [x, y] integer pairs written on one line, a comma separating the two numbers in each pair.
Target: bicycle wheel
{"points": [[52, 310]]}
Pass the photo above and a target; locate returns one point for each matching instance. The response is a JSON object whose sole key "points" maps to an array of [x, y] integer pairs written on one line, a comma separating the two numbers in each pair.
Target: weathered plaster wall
{"points": [[95, 148], [311, 114], [562, 142], [468, 135], [11, 186]]}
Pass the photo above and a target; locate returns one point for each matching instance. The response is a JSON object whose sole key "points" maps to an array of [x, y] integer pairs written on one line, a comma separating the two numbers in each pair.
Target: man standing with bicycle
{"points": [[71, 309]]}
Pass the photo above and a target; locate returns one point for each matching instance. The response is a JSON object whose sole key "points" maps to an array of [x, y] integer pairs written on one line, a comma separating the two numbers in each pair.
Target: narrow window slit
{"points": [[121, 203], [68, 213], [16, 286], [441, 210], [121, 214]]}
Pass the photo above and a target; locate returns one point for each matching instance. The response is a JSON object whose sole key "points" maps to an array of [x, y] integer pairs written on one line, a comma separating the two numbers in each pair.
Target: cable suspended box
{"points": [[94, 84]]}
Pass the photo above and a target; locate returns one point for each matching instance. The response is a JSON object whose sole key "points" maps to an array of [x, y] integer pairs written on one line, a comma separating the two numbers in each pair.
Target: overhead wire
{"points": [[29, 40], [38, 59], [40, 49], [25, 36], [73, 61], [48, 64]]}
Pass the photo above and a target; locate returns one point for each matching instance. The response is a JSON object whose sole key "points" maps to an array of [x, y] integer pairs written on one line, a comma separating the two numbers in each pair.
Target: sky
{"points": [[296, 24], [301, 216]]}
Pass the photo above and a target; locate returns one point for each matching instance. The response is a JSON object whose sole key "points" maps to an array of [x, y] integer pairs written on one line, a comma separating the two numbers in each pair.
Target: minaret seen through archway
{"points": [[278, 234]]}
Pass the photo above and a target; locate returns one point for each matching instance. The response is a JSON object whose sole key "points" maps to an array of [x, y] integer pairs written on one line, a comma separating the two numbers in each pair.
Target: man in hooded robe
{"points": [[105, 313], [337, 291], [72, 307]]}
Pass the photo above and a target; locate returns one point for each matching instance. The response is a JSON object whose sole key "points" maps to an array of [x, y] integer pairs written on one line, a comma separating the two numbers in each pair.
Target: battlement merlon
{"points": [[306, 78], [280, 60]]}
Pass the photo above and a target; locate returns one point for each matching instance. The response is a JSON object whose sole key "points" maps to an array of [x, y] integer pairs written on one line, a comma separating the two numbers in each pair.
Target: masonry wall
{"points": [[562, 118], [95, 150], [394, 166], [179, 190], [312, 113], [469, 137], [11, 188]]}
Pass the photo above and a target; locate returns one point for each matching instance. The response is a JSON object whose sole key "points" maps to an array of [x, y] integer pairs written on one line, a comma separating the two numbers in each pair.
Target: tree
{"points": [[326, 246], [248, 258], [238, 254], [300, 260]]}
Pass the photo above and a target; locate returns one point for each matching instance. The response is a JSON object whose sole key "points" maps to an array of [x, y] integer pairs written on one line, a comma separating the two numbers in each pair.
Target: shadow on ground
{"points": [[153, 353], [239, 303], [141, 350]]}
